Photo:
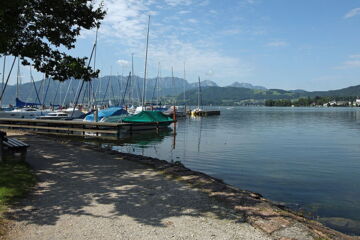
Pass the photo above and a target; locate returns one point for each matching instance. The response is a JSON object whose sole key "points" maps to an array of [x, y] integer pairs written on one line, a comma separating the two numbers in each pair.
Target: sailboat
{"points": [[180, 111], [146, 120], [200, 112], [23, 109]]}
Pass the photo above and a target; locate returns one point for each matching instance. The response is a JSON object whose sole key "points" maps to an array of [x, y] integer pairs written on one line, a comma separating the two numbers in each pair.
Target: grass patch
{"points": [[16, 179]]}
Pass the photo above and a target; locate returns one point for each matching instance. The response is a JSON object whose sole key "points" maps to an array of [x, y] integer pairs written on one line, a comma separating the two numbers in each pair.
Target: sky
{"points": [[286, 44]]}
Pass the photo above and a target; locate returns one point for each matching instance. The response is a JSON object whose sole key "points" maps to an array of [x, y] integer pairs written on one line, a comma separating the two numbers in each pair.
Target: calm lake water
{"points": [[307, 158]]}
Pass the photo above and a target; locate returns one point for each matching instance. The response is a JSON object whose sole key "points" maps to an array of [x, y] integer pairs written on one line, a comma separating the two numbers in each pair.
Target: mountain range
{"points": [[114, 87], [246, 85]]}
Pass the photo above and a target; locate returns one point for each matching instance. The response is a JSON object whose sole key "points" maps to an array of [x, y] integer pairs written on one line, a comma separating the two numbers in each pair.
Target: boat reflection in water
{"points": [[137, 142]]}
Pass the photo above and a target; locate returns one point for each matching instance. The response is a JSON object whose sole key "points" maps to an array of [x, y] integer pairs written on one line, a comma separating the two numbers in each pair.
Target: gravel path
{"points": [[86, 194]]}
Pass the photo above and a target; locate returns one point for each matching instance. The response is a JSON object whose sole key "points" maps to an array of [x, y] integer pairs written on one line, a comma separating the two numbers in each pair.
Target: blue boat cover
{"points": [[20, 104], [111, 111]]}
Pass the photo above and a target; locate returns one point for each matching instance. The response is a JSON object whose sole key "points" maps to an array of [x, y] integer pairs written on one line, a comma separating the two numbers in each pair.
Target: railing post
{"points": [[118, 131]]}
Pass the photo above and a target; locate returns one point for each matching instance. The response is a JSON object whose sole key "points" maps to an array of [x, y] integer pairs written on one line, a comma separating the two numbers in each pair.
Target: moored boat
{"points": [[105, 115], [147, 120], [22, 113], [54, 116]]}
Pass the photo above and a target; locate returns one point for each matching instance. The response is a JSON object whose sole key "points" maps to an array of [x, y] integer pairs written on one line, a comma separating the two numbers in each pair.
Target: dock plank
{"points": [[60, 128]]}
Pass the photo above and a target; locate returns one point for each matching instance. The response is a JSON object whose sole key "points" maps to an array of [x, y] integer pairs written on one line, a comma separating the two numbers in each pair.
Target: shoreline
{"points": [[273, 219]]}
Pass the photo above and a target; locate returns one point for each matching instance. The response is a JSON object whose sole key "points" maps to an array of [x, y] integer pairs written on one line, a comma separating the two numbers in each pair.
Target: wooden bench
{"points": [[12, 149]]}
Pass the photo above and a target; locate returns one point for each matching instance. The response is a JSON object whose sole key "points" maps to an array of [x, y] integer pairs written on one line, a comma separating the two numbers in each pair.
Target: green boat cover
{"points": [[147, 117]]}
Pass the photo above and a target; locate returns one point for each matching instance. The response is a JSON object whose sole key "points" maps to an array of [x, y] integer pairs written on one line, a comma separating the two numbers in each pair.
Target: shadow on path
{"points": [[74, 179]]}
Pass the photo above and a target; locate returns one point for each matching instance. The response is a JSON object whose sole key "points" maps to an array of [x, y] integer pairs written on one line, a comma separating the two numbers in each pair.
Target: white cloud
{"points": [[213, 12], [277, 44], [123, 63], [354, 56], [209, 73], [204, 3], [351, 64], [174, 3], [172, 40], [192, 20], [184, 12], [200, 61], [352, 13], [252, 1], [231, 31]]}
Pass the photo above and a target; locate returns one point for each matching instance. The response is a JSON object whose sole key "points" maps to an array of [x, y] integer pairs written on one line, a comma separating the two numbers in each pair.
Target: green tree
{"points": [[36, 30]]}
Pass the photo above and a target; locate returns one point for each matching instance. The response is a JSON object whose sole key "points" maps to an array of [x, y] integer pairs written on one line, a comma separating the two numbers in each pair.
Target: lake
{"points": [[306, 158]]}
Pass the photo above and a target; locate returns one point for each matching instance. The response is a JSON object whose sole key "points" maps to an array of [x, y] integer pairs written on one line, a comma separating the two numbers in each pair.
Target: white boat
{"points": [[23, 113], [74, 113], [65, 114], [196, 112], [180, 112], [54, 116]]}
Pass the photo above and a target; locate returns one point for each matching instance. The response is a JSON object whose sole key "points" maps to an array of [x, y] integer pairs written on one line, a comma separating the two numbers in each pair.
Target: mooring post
{"points": [[118, 131], [174, 113], [174, 139], [96, 114]]}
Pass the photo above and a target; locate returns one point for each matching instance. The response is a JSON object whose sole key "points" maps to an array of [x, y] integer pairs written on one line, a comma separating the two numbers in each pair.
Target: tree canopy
{"points": [[37, 30]]}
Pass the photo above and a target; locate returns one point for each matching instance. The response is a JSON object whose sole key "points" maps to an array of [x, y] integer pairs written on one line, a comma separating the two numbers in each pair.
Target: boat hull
{"points": [[19, 114], [204, 113], [146, 126]]}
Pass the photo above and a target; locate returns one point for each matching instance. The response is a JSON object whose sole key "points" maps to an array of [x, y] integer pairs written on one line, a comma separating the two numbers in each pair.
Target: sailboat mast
{"points": [[158, 85], [63, 104], [3, 76], [132, 79], [146, 55], [17, 79], [3, 73], [184, 88], [173, 81], [199, 95], [95, 51]]}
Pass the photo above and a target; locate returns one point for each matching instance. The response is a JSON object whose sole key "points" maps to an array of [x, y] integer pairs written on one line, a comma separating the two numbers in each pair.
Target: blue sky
{"points": [[288, 44]]}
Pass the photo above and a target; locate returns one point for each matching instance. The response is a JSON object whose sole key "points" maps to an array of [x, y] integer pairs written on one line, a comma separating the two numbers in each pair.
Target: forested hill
{"points": [[240, 96], [235, 95], [352, 91]]}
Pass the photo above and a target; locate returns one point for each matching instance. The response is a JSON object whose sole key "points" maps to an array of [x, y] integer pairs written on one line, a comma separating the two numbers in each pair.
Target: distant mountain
{"points": [[114, 87], [205, 83], [246, 85], [298, 91]]}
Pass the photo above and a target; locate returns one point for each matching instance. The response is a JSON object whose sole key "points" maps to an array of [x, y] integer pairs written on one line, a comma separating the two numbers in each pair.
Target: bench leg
{"points": [[15, 156], [23, 155]]}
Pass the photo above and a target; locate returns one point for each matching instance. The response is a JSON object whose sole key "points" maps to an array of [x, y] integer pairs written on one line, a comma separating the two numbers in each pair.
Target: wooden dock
{"points": [[69, 127]]}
